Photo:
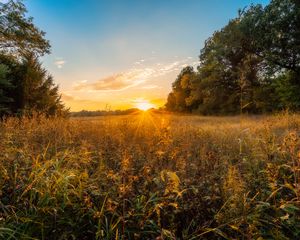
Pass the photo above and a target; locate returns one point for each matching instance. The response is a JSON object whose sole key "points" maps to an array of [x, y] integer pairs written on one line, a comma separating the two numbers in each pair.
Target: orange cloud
{"points": [[133, 77], [67, 97], [117, 82]]}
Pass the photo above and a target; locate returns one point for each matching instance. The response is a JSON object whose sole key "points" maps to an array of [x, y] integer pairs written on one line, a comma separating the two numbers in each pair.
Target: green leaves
{"points": [[250, 65], [18, 34], [182, 87], [5, 86], [274, 32]]}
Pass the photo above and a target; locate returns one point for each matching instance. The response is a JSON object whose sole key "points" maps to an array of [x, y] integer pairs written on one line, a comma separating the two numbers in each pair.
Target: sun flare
{"points": [[144, 105]]}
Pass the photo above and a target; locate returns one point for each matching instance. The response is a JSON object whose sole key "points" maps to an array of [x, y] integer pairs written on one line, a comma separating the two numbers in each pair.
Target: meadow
{"points": [[150, 176]]}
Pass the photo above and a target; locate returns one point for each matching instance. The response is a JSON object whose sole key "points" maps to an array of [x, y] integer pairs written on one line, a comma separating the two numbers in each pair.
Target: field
{"points": [[150, 176]]}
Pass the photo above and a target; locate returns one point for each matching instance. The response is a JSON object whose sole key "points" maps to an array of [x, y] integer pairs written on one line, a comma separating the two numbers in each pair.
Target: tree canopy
{"points": [[18, 34], [250, 65], [25, 86]]}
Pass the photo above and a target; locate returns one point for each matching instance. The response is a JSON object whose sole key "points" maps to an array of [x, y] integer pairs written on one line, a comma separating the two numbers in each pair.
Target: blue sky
{"points": [[121, 52]]}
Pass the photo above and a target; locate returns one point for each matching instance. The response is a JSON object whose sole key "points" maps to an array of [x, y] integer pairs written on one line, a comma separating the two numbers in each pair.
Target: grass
{"points": [[148, 176]]}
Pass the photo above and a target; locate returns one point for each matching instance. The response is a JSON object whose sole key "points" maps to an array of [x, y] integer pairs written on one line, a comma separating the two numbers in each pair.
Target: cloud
{"points": [[136, 76], [184, 65], [150, 87], [170, 67], [195, 64], [117, 82], [176, 65], [141, 61], [59, 63], [67, 97]]}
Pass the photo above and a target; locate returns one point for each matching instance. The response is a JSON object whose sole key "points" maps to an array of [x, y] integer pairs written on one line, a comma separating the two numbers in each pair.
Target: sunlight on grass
{"points": [[149, 176]]}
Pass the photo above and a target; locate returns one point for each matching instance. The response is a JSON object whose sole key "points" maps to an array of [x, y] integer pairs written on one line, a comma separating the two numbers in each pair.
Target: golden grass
{"points": [[150, 176]]}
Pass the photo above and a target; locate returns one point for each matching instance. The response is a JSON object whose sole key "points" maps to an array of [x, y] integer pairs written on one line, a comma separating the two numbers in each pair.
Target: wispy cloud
{"points": [[141, 61], [67, 97], [59, 63], [175, 66], [150, 87], [169, 67], [137, 76], [117, 82]]}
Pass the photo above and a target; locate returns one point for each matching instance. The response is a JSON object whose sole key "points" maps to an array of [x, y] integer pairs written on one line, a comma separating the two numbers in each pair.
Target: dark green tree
{"points": [[273, 33], [287, 91], [37, 89], [30, 88], [228, 74], [5, 86], [251, 65]]}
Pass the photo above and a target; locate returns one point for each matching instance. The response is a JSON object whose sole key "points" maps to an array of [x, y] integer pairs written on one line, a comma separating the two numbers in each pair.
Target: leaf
{"points": [[285, 217], [173, 176], [168, 233], [289, 208], [234, 227]]}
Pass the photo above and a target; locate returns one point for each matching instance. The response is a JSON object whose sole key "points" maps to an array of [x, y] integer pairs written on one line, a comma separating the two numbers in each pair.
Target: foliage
{"points": [[39, 93], [5, 85], [19, 36], [150, 176], [287, 90], [177, 100], [250, 65], [273, 33], [26, 86]]}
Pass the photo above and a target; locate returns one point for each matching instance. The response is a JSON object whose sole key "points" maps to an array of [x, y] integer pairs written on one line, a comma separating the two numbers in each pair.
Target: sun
{"points": [[144, 105]]}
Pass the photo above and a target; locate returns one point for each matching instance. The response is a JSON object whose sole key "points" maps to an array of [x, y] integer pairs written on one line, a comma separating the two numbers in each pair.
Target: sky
{"points": [[118, 54]]}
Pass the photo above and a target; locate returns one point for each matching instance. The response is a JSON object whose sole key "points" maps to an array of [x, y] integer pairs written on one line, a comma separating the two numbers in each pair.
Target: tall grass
{"points": [[150, 176]]}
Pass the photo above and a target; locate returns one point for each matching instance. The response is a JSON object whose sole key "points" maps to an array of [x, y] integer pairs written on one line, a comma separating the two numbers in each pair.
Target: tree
{"points": [[37, 89], [5, 86], [181, 88], [18, 34], [287, 91], [228, 74], [171, 102], [25, 85], [273, 33], [250, 65]]}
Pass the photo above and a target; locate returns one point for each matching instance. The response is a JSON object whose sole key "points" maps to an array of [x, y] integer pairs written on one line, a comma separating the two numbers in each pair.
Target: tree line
{"points": [[251, 65], [97, 113], [25, 86]]}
